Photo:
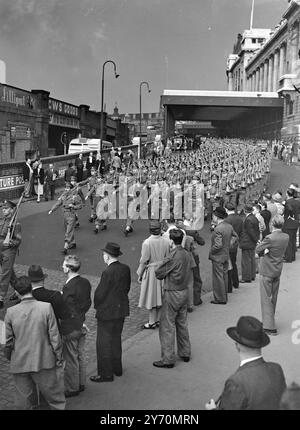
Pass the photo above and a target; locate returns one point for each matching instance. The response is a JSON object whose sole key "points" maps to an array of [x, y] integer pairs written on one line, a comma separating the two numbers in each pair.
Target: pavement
{"points": [[188, 386], [143, 386]]}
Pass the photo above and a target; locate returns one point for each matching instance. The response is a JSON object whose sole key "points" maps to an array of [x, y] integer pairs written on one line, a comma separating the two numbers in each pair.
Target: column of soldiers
{"points": [[230, 170]]}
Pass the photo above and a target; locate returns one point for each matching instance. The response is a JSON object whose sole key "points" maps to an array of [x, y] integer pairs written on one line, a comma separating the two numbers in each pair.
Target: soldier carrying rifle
{"points": [[10, 239], [70, 202]]}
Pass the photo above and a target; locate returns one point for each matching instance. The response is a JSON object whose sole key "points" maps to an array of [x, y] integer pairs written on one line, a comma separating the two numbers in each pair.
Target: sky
{"points": [[61, 45]]}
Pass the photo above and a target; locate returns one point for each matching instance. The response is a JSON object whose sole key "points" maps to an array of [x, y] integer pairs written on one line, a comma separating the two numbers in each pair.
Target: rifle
{"points": [[13, 221], [73, 190]]}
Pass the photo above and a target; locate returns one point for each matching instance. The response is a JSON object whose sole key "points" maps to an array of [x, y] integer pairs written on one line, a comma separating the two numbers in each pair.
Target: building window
{"points": [[260, 40], [289, 105], [13, 149], [253, 40]]}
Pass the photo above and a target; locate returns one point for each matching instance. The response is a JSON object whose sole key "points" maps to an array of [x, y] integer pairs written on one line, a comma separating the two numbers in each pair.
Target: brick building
{"points": [[34, 124]]}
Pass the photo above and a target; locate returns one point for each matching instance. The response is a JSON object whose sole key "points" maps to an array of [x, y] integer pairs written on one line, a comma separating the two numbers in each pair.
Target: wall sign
{"points": [[9, 182], [62, 108], [16, 97]]}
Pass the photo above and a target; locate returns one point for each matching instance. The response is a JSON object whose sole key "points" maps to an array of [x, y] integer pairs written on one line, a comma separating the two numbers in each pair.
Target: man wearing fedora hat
{"points": [[112, 306], [219, 255], [42, 294], [257, 384]]}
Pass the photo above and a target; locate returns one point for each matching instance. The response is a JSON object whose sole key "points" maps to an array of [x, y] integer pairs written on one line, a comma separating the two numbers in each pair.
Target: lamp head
{"points": [[149, 91], [116, 75]]}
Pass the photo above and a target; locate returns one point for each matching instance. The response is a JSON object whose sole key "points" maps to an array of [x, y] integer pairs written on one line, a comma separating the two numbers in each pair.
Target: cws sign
{"points": [[62, 108], [63, 114], [10, 182]]}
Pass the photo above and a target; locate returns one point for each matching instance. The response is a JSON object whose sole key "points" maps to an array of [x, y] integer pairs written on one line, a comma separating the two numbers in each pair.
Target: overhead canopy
{"points": [[216, 105]]}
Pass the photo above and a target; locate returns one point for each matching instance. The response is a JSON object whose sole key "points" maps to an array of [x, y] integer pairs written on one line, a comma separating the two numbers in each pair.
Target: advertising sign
{"points": [[10, 182]]}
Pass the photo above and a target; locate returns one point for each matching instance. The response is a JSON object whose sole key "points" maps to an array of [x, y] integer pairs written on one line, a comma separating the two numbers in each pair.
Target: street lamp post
{"points": [[102, 99], [149, 91]]}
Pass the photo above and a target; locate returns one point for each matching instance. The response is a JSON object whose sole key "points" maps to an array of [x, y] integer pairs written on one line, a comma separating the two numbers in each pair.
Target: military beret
{"points": [[9, 204]]}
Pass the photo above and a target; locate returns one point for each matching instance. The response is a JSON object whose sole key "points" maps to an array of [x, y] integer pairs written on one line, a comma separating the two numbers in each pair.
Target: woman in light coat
{"points": [[154, 249]]}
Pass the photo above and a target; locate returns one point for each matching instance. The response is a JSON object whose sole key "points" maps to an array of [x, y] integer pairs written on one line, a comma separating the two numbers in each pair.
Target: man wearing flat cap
{"points": [[8, 249], [219, 255], [257, 384], [112, 306]]}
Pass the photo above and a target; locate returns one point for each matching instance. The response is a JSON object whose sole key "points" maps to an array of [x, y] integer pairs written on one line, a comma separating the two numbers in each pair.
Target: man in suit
{"points": [[28, 177], [90, 162], [51, 175], [257, 384], [69, 172], [42, 294], [237, 223], [112, 306], [175, 270], [79, 167], [77, 298], [100, 164], [219, 255], [248, 240], [272, 250], [34, 348]]}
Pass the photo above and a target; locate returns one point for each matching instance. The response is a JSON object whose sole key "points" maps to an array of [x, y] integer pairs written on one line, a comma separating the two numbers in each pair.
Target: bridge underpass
{"points": [[233, 113]]}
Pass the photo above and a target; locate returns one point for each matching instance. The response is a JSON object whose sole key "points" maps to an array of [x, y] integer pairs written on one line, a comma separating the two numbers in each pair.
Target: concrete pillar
{"points": [[266, 68], [257, 79], [275, 70], [270, 75], [254, 81], [261, 80], [230, 81], [281, 60], [294, 47]]}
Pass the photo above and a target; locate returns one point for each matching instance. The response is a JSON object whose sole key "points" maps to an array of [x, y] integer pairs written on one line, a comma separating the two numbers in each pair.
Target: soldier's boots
{"points": [[103, 227], [72, 246], [96, 231], [128, 230]]}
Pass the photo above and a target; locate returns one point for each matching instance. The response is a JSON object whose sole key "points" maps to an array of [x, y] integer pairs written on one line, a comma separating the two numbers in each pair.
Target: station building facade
{"points": [[265, 60]]}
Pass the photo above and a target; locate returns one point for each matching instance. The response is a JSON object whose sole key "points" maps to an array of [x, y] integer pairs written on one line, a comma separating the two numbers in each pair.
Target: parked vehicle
{"points": [[84, 144]]}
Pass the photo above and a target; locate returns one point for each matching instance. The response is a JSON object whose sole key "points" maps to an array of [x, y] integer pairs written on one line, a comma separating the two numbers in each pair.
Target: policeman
{"points": [[8, 249], [70, 202]]}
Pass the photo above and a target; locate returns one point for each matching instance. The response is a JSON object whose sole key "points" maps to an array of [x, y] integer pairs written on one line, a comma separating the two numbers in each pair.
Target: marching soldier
{"points": [[80, 194], [8, 249], [70, 202], [92, 193]]}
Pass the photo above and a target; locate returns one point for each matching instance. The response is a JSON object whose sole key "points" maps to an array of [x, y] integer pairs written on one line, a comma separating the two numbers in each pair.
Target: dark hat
{"points": [[155, 227], [248, 208], [220, 212], [112, 249], [249, 332], [35, 273], [9, 204]]}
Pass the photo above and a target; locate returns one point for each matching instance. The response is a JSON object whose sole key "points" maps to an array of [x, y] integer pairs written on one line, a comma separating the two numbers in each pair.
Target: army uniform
{"points": [[70, 203], [92, 196], [102, 208], [80, 194], [8, 253]]}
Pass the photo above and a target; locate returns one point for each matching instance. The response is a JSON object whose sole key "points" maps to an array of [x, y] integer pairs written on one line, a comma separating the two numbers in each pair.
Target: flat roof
{"points": [[197, 93], [195, 105]]}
